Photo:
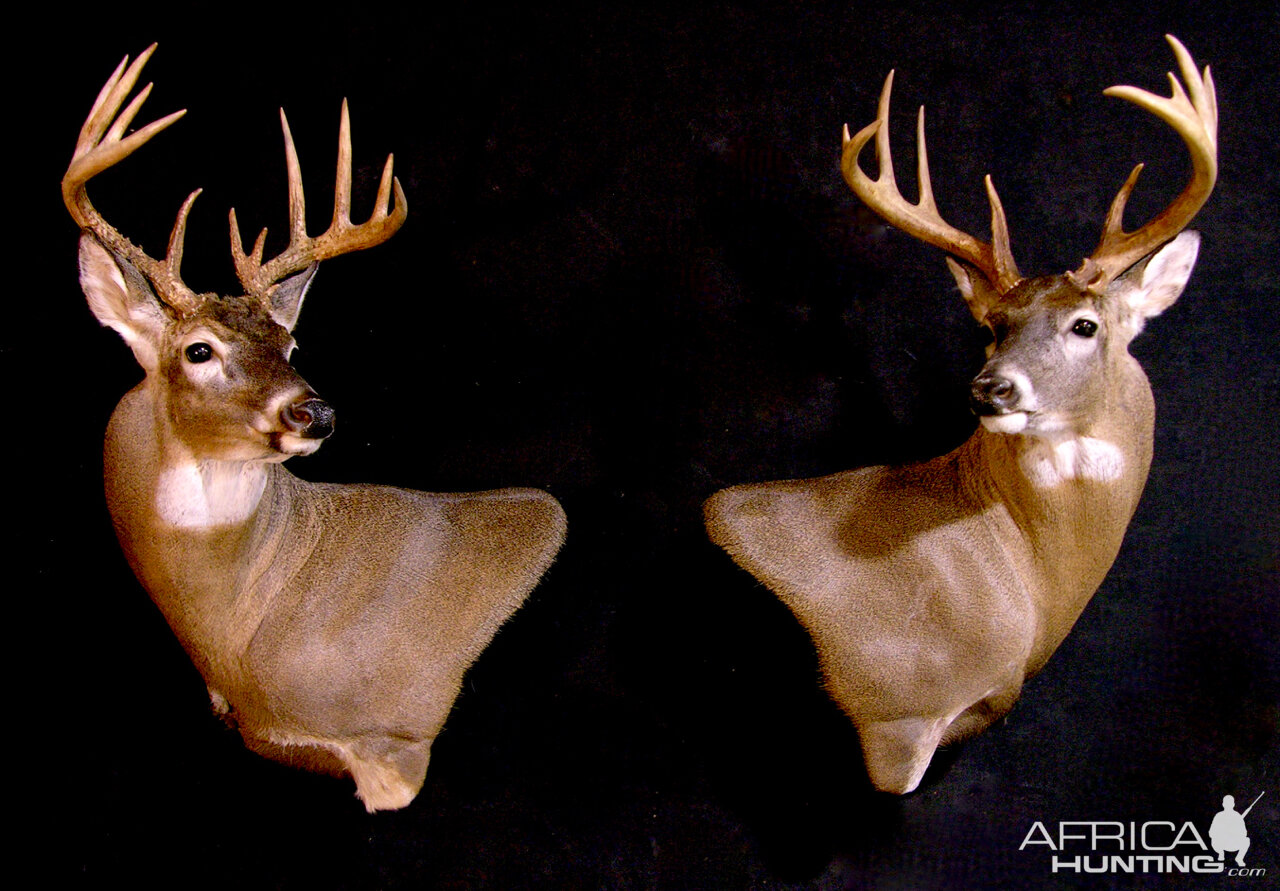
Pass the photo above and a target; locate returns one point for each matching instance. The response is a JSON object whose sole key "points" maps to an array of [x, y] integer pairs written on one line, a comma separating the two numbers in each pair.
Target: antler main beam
{"points": [[922, 220], [1193, 114], [341, 237], [102, 144]]}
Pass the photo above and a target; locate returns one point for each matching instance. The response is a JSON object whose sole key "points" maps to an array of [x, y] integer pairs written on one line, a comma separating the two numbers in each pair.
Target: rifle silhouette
{"points": [[1245, 813]]}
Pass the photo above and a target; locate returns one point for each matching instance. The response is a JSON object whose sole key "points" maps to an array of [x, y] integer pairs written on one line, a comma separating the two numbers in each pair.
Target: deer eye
{"points": [[198, 352], [1084, 328]]}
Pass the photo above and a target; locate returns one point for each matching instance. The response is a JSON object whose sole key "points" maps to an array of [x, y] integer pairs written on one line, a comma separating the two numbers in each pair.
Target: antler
{"points": [[1196, 120], [99, 148], [340, 238], [922, 220]]}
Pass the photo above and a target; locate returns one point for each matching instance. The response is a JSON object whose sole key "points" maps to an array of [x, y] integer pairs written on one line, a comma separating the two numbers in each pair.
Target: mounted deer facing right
{"points": [[932, 591], [332, 624]]}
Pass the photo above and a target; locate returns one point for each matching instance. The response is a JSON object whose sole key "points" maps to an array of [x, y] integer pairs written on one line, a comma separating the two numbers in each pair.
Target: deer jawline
{"points": [[1013, 422]]}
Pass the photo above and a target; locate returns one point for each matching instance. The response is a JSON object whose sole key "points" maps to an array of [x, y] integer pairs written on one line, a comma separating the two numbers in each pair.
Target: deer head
{"points": [[332, 624], [933, 590], [221, 361], [1055, 338]]}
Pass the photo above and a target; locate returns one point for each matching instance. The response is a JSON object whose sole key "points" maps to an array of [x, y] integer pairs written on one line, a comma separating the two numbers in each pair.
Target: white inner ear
{"points": [[977, 294], [1165, 275], [104, 287], [286, 299], [135, 317]]}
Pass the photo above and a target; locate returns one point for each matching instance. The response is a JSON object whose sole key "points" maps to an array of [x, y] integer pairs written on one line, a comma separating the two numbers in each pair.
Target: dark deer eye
{"points": [[1084, 328], [199, 352]]}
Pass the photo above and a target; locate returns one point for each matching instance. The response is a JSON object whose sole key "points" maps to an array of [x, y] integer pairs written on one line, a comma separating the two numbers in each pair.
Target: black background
{"points": [[632, 275]]}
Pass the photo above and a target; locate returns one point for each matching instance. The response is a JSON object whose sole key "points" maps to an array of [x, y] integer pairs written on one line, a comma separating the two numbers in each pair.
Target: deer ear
{"points": [[1152, 285], [286, 298], [975, 288], [121, 299]]}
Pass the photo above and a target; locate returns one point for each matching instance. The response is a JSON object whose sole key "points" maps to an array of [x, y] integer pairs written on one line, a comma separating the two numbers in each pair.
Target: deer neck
{"points": [[1071, 497], [202, 536], [184, 494]]}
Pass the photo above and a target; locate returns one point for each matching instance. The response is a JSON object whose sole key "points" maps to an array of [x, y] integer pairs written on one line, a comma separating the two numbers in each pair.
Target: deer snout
{"points": [[993, 394], [309, 417]]}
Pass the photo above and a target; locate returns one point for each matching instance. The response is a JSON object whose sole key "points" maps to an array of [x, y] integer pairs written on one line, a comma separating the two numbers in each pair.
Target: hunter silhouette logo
{"points": [[1154, 846], [1228, 832]]}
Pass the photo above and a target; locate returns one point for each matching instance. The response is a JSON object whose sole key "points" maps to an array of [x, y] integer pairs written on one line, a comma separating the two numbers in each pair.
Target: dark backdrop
{"points": [[633, 275]]}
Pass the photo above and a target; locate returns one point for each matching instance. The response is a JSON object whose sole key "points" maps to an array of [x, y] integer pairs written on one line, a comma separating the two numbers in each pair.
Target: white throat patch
{"points": [[209, 494], [1048, 463]]}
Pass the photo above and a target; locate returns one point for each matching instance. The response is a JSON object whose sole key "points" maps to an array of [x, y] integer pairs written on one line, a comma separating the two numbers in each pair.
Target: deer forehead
{"points": [[241, 323], [1050, 297], [1040, 315]]}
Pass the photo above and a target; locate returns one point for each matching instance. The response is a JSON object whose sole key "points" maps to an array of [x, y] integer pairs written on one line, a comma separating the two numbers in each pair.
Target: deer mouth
{"points": [[290, 444], [1007, 423]]}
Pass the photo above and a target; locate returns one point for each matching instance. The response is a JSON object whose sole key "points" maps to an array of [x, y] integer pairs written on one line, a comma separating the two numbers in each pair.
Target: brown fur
{"points": [[931, 591], [333, 624]]}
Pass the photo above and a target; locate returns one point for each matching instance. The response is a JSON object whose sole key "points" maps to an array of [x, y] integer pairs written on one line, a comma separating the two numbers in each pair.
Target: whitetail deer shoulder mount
{"points": [[332, 624], [933, 590]]}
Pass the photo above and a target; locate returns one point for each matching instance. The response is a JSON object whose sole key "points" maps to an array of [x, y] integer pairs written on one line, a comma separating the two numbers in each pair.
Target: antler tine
{"points": [[99, 146], [342, 186], [173, 255], [922, 220], [1007, 274], [109, 99], [340, 238], [1195, 119], [297, 199]]}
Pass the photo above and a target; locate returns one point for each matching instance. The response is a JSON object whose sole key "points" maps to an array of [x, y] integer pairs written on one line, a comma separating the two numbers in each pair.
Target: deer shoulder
{"points": [[933, 590], [332, 623]]}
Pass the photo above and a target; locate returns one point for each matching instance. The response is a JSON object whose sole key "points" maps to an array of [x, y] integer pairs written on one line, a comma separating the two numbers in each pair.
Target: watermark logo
{"points": [[1228, 832], [1155, 846]]}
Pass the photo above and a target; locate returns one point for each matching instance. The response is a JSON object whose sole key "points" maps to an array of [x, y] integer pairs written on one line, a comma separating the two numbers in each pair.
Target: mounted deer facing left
{"points": [[332, 624], [932, 591]]}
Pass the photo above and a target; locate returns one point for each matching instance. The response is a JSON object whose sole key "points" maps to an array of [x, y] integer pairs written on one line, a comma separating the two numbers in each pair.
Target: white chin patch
{"points": [[1014, 422], [292, 445]]}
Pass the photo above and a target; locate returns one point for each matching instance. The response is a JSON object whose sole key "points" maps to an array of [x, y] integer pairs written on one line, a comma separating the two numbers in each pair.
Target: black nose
{"points": [[991, 394], [311, 418]]}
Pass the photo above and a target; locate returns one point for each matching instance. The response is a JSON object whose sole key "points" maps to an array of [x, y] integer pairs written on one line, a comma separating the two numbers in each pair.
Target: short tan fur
{"points": [[932, 591], [332, 623]]}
